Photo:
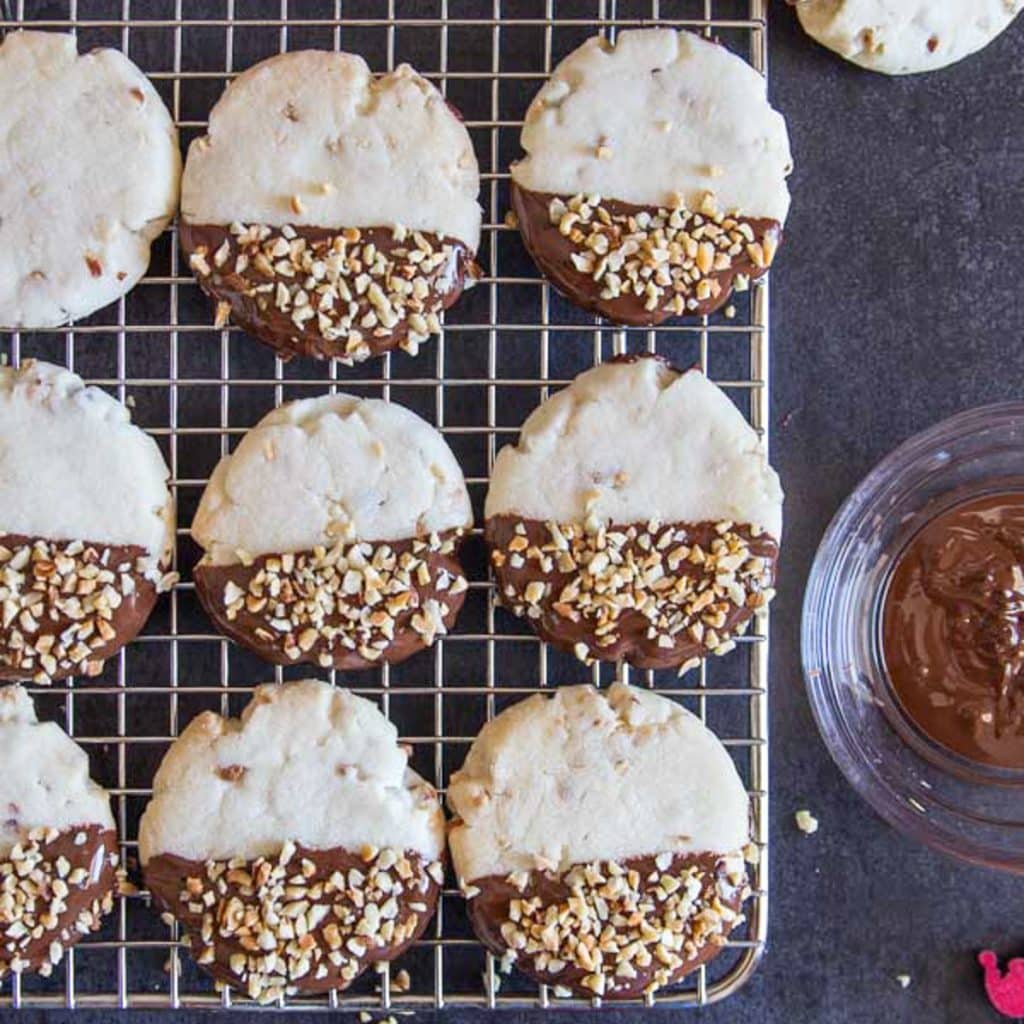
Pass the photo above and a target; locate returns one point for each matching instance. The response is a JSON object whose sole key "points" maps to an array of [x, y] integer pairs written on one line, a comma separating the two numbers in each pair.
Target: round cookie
{"points": [[655, 177], [637, 519], [294, 845], [904, 37], [58, 842], [355, 560], [86, 525], [600, 839], [356, 221], [89, 172]]}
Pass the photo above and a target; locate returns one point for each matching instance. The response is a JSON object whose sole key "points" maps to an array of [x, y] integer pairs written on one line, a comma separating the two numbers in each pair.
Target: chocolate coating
{"points": [[84, 903], [630, 640], [252, 629], [953, 629], [552, 252], [489, 910], [257, 313], [18, 658], [168, 875]]}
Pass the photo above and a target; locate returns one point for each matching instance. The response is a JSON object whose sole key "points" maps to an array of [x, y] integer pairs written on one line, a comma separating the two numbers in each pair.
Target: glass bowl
{"points": [[966, 809]]}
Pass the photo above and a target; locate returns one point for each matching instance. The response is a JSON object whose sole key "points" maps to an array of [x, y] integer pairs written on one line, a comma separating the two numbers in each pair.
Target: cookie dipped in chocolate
{"points": [[952, 629]]}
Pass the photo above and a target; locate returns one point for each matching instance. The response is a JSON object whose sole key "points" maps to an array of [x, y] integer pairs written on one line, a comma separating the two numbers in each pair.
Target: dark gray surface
{"points": [[895, 305]]}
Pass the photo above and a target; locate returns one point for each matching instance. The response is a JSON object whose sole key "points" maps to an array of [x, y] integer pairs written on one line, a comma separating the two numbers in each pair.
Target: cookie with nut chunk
{"points": [[331, 535], [294, 845], [356, 222], [58, 842], [86, 525], [600, 838], [89, 174], [637, 518], [905, 37], [654, 181]]}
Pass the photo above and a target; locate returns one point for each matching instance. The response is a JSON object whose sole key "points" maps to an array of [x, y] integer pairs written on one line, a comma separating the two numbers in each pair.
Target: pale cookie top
{"points": [[305, 762], [322, 142], [44, 775], [658, 115], [74, 467], [320, 470], [89, 171], [587, 774], [632, 441], [901, 37]]}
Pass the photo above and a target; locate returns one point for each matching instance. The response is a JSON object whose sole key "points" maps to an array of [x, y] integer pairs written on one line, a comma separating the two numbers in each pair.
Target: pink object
{"points": [[1005, 991]]}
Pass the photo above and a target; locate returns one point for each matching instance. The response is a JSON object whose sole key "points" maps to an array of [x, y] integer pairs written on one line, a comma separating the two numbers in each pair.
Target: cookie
{"points": [[331, 535], [655, 177], [89, 172], [86, 525], [637, 519], [294, 845], [600, 839], [904, 37], [356, 221], [58, 842]]}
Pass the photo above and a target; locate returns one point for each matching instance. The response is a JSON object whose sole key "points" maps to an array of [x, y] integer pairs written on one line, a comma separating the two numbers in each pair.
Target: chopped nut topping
{"points": [[35, 893], [610, 924], [674, 259], [274, 921], [353, 597], [58, 602], [596, 578], [341, 288]]}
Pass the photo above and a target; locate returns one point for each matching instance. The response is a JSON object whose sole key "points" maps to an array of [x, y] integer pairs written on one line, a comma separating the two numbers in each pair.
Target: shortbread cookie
{"points": [[903, 37], [356, 221], [89, 172], [294, 845], [86, 525], [655, 177], [600, 840], [637, 518], [58, 843], [331, 535]]}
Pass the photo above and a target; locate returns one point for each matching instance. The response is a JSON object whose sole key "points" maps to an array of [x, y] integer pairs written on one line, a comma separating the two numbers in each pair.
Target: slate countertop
{"points": [[894, 305]]}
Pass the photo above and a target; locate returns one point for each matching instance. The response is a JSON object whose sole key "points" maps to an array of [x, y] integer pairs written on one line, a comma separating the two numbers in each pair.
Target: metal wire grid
{"points": [[504, 347]]}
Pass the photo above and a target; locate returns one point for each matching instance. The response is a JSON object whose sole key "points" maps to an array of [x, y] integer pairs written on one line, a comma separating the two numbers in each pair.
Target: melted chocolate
{"points": [[257, 314], [489, 910], [630, 640], [20, 660], [168, 875], [953, 629], [552, 252], [252, 630], [85, 902]]}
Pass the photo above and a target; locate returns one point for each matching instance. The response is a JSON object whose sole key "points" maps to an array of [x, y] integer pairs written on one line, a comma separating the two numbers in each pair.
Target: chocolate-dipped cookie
{"points": [[600, 840], [294, 845], [655, 177], [86, 525], [904, 37], [58, 843], [354, 559], [89, 172], [637, 519], [355, 222]]}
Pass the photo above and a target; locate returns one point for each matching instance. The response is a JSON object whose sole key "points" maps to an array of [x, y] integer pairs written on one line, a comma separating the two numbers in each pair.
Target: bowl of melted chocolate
{"points": [[913, 637]]}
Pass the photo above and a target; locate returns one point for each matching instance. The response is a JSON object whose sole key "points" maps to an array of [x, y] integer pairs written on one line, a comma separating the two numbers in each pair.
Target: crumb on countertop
{"points": [[806, 822]]}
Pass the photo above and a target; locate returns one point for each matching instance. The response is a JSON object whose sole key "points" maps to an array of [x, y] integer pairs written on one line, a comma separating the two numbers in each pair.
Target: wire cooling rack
{"points": [[505, 346]]}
